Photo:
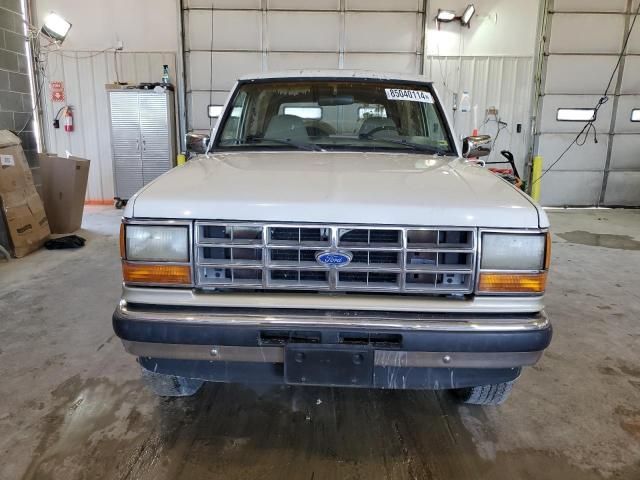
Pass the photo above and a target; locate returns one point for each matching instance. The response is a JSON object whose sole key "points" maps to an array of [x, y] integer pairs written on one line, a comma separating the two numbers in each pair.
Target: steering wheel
{"points": [[318, 128], [378, 129]]}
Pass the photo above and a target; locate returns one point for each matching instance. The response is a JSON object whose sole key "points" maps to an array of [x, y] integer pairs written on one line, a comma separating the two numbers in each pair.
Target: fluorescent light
{"points": [[575, 114], [635, 115], [55, 27], [214, 111], [445, 16], [469, 12]]}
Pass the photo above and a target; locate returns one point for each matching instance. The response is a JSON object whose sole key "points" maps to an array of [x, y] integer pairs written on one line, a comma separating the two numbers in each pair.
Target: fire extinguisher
{"points": [[68, 120]]}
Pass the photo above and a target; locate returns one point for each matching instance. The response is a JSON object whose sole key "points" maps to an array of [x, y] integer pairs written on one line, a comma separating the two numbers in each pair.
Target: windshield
{"points": [[334, 115]]}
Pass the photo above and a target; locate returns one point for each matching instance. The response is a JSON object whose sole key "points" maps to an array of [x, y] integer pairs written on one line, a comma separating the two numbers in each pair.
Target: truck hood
{"points": [[336, 187]]}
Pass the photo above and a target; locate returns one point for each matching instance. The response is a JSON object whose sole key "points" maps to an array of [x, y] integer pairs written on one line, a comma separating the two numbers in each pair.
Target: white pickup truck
{"points": [[334, 233]]}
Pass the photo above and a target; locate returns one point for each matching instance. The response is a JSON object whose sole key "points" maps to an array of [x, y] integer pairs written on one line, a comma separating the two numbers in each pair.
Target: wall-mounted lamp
{"points": [[446, 16], [55, 27], [469, 12]]}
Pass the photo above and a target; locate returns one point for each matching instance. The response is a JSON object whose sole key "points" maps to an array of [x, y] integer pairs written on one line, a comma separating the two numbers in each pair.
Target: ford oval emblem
{"points": [[334, 259]]}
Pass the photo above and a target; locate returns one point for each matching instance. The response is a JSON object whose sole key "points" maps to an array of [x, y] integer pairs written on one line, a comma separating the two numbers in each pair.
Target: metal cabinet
{"points": [[142, 138]]}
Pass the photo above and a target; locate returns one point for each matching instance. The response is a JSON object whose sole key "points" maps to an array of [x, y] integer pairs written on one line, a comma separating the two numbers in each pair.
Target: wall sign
{"points": [[57, 91]]}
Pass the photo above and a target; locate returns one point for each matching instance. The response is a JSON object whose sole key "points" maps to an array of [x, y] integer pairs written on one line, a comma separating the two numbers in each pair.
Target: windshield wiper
{"points": [[415, 146], [253, 140]]}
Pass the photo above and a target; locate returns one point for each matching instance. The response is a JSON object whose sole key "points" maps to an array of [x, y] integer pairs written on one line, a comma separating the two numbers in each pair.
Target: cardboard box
{"points": [[64, 186], [21, 205]]}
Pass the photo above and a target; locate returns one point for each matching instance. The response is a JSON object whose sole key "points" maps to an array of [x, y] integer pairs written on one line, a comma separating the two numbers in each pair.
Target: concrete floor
{"points": [[72, 406]]}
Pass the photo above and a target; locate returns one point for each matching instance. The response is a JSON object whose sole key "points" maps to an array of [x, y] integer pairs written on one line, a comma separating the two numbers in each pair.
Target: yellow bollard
{"points": [[182, 159], [536, 173]]}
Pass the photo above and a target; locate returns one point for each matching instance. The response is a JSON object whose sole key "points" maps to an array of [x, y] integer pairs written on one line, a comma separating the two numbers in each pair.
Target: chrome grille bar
{"points": [[384, 259]]}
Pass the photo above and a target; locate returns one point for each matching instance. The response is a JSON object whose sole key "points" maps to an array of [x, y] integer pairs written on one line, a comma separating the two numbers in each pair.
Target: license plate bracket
{"points": [[328, 365]]}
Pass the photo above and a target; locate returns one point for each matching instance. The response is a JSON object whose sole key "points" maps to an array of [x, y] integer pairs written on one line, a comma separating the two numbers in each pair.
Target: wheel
{"points": [[171, 385], [120, 203], [486, 394]]}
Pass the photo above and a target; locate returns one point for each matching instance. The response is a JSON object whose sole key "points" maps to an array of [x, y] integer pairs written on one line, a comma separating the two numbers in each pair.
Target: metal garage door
{"points": [[224, 39], [583, 41]]}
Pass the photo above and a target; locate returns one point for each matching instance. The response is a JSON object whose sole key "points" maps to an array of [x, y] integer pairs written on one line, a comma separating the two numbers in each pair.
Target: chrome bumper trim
{"points": [[205, 352], [186, 297], [385, 358], [382, 358], [336, 319]]}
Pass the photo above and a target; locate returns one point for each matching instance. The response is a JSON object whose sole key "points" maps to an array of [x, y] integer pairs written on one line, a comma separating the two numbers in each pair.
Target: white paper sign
{"points": [[7, 161], [408, 95]]}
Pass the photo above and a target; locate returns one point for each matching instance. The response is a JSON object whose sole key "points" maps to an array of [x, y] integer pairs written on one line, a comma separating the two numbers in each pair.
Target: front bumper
{"points": [[405, 350]]}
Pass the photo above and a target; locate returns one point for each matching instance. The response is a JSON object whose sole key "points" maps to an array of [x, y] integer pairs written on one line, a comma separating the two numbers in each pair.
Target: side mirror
{"points": [[197, 142], [476, 146]]}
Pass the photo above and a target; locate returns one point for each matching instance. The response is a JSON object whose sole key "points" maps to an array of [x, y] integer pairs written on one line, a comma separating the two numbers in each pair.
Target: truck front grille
{"points": [[283, 256]]}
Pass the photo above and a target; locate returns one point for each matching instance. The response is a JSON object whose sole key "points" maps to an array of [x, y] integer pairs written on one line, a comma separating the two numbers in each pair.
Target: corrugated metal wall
{"points": [[85, 75], [501, 82]]}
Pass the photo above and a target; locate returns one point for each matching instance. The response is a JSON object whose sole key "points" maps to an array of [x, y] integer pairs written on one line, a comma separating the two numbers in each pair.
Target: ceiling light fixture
{"points": [[55, 27]]}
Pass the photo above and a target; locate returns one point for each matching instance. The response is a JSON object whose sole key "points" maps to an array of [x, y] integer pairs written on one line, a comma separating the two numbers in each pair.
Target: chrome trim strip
{"points": [[328, 319], [214, 353], [186, 297], [382, 358], [387, 358]]}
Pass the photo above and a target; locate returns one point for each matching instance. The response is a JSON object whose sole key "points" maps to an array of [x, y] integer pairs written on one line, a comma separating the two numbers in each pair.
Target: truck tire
{"points": [[485, 394], [171, 385]]}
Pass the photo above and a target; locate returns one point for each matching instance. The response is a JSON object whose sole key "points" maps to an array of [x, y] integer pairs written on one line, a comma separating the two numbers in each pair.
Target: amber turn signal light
{"points": [[153, 273], [512, 282]]}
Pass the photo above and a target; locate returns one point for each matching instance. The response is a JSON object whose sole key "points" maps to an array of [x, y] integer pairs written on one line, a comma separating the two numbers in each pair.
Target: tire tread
{"points": [[494, 394]]}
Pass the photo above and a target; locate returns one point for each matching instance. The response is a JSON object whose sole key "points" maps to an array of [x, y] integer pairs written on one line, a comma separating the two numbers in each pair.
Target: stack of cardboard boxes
{"points": [[27, 221], [22, 209]]}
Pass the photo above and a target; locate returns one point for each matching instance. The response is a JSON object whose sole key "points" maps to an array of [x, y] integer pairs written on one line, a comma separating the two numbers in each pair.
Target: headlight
{"points": [[155, 255], [157, 244], [512, 252], [514, 263]]}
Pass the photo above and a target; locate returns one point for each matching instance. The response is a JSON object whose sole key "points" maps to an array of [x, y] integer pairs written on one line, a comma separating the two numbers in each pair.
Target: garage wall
{"points": [[500, 28], [492, 59], [584, 39], [15, 96], [142, 25], [224, 40], [503, 82], [85, 75], [149, 32]]}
